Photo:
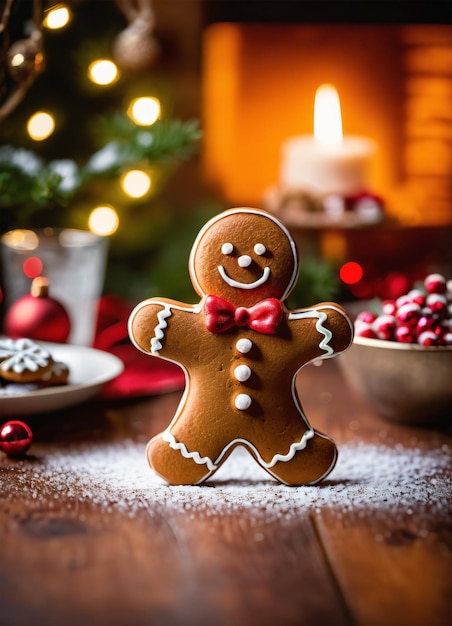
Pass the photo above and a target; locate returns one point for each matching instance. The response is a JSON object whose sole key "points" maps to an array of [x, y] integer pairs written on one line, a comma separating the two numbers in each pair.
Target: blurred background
{"points": [[141, 119]]}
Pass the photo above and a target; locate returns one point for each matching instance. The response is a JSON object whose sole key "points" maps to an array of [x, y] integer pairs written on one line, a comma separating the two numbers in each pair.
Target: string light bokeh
{"points": [[144, 110]]}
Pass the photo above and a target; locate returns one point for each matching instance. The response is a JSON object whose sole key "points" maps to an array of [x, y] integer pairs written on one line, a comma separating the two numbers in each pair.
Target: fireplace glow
{"points": [[394, 84]]}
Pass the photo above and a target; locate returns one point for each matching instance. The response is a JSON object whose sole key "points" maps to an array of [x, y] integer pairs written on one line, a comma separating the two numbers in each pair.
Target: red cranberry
{"points": [[428, 339], [365, 316], [402, 300], [384, 326], [408, 314], [437, 303], [364, 329], [425, 322], [389, 307], [405, 334], [442, 329], [435, 283], [417, 296]]}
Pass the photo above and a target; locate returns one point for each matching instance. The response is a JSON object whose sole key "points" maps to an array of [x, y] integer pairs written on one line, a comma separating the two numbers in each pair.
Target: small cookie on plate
{"points": [[23, 360]]}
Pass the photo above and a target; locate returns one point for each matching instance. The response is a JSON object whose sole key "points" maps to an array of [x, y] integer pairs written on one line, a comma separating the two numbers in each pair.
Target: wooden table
{"points": [[69, 558]]}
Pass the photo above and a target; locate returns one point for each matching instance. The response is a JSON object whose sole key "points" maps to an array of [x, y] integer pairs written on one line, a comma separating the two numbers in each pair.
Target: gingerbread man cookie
{"points": [[241, 349]]}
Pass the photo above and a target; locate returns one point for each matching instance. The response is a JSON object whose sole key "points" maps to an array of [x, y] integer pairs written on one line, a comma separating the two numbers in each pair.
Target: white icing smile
{"points": [[234, 283]]}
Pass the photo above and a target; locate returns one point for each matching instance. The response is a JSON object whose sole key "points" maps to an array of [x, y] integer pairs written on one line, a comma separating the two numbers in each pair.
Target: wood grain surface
{"points": [[68, 560]]}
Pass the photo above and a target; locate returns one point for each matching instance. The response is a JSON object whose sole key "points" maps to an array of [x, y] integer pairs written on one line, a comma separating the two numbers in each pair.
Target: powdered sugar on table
{"points": [[117, 477]]}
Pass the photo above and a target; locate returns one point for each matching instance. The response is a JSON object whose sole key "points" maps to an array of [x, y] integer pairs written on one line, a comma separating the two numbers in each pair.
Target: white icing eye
{"points": [[260, 249], [227, 248]]}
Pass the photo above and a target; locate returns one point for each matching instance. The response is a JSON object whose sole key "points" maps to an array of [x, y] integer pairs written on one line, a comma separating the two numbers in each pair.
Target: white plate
{"points": [[89, 370]]}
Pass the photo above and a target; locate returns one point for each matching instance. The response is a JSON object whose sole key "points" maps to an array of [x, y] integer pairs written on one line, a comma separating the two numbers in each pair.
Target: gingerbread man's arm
{"points": [[325, 328], [151, 320]]}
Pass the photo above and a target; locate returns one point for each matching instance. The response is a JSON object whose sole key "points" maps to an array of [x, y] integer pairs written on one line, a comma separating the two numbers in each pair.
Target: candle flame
{"points": [[327, 116]]}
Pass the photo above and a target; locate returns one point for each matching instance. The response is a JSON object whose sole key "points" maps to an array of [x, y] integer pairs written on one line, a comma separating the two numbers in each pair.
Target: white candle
{"points": [[326, 162]]}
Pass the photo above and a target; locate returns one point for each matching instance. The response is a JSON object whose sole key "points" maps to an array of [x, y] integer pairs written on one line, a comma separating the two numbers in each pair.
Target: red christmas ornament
{"points": [[15, 438], [38, 316]]}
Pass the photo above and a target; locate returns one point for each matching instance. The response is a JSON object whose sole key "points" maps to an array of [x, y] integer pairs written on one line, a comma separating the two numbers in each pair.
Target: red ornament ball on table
{"points": [[38, 316], [15, 438]]}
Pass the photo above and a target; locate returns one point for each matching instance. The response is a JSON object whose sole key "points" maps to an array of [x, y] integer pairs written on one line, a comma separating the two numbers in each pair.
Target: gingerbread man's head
{"points": [[244, 255]]}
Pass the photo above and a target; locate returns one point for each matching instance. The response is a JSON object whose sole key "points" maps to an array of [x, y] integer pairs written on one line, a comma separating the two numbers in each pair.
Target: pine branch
{"points": [[26, 178], [127, 144]]}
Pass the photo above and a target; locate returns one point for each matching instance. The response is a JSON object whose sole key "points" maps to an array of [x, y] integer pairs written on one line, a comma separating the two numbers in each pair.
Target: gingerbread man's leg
{"points": [[309, 465], [172, 466]]}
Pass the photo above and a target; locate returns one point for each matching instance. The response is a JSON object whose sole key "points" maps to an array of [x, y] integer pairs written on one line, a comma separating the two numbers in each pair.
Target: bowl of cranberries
{"points": [[401, 356]]}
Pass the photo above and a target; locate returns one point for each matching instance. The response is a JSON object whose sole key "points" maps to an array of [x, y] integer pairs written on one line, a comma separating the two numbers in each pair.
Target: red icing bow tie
{"points": [[264, 317]]}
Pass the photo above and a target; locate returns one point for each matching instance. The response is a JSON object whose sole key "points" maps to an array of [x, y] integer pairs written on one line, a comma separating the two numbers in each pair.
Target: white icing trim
{"points": [[297, 445], [313, 482], [321, 318], [324, 344], [234, 283], [248, 211], [176, 445], [214, 465], [162, 315], [156, 345]]}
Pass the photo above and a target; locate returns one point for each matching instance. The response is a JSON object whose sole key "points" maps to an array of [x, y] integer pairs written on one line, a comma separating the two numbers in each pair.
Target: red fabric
{"points": [[143, 374]]}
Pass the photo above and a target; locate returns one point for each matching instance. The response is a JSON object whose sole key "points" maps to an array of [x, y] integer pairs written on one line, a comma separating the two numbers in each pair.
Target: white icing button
{"points": [[242, 401], [244, 260], [242, 373], [260, 249], [244, 345]]}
